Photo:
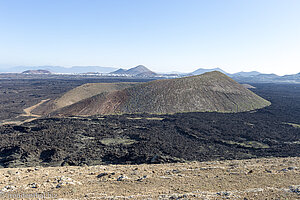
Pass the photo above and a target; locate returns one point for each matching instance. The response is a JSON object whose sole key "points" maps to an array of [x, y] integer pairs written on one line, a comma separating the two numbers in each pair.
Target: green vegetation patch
{"points": [[249, 124], [147, 118], [249, 144], [155, 118], [134, 118], [293, 125], [295, 142], [117, 141]]}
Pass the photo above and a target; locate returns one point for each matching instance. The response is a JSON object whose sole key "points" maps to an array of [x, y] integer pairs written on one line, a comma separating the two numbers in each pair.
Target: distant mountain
{"points": [[259, 78], [292, 78], [20, 69], [212, 91], [175, 72], [143, 72], [253, 76], [119, 71], [58, 69], [147, 74], [202, 71], [246, 74], [39, 71], [139, 70]]}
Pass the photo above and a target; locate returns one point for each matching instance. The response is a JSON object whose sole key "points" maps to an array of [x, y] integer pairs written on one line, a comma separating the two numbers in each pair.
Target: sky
{"points": [[163, 35]]}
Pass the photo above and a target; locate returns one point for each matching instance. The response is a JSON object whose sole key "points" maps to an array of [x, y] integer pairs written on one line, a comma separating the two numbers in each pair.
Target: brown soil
{"points": [[274, 178], [79, 93], [29, 109]]}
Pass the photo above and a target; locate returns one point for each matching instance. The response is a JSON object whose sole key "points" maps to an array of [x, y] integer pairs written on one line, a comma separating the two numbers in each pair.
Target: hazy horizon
{"points": [[165, 36], [172, 71]]}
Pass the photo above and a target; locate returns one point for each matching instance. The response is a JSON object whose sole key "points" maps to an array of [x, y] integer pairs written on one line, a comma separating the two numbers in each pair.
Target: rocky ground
{"points": [[272, 178], [146, 139], [140, 139]]}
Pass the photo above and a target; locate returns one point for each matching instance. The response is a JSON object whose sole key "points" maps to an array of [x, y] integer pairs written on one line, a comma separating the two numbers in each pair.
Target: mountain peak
{"points": [[139, 70], [141, 67], [119, 71], [202, 71]]}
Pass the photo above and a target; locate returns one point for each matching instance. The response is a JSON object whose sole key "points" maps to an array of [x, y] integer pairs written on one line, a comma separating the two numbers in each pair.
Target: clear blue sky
{"points": [[164, 35]]}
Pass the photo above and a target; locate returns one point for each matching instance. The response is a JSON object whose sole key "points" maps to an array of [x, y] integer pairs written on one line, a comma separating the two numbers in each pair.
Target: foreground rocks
{"points": [[272, 178]]}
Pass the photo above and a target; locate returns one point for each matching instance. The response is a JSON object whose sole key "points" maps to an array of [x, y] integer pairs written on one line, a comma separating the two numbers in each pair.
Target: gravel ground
{"points": [[272, 178]]}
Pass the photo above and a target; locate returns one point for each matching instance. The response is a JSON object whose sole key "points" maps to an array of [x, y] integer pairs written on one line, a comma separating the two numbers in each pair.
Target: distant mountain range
{"points": [[59, 69], [247, 74], [143, 72], [253, 76]]}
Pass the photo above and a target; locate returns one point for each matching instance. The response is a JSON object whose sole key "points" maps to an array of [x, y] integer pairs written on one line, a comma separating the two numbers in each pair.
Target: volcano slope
{"points": [[210, 92], [79, 93]]}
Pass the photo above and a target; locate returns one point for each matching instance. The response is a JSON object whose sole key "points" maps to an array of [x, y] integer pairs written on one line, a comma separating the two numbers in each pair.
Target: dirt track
{"points": [[29, 109], [276, 178], [27, 114]]}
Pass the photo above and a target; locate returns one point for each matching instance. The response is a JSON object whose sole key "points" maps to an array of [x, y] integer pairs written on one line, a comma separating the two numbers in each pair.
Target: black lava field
{"points": [[146, 138]]}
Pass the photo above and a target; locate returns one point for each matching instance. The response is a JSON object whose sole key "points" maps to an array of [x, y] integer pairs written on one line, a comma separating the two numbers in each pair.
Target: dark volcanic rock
{"points": [[145, 138]]}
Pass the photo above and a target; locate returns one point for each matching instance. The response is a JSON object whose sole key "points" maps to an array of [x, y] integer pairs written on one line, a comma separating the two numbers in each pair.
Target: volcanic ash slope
{"points": [[80, 93], [209, 92]]}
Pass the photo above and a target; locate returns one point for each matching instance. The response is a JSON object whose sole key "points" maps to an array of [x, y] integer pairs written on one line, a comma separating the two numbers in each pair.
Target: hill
{"points": [[38, 71], [202, 71], [256, 77], [246, 74], [119, 71], [291, 78], [139, 70], [259, 78], [79, 93], [212, 91]]}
